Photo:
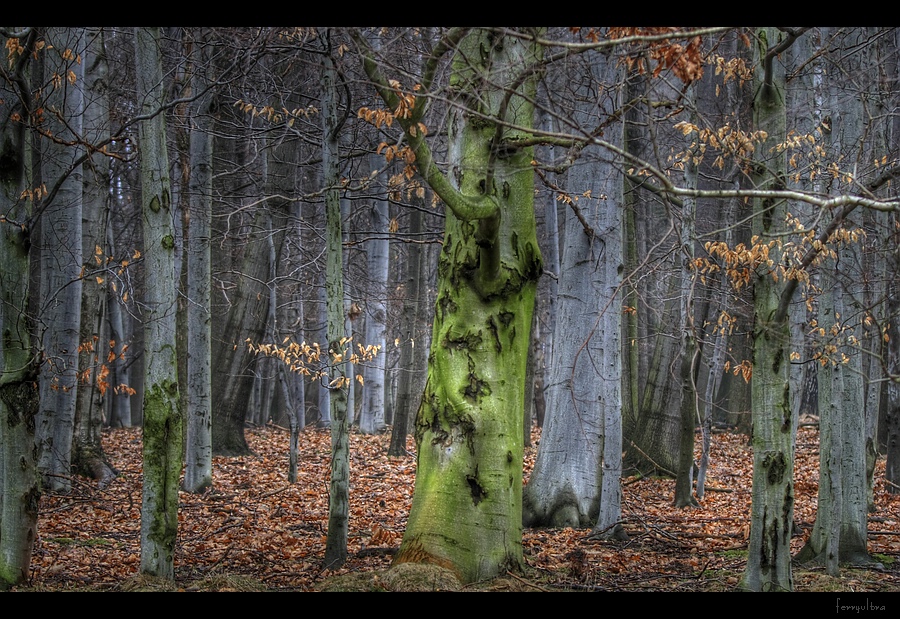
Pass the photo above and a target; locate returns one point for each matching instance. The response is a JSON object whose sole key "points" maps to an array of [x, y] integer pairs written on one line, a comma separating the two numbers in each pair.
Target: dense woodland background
{"points": [[207, 230]]}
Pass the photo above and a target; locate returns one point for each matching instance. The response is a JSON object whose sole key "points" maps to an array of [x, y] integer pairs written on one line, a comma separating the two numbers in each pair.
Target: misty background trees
{"points": [[707, 219]]}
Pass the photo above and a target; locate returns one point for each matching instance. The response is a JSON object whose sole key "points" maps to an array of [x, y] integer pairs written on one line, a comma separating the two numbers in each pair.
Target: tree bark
{"points": [[20, 491], [163, 422], [407, 401], [371, 419], [339, 488], [61, 257], [772, 508], [467, 504], [198, 446], [232, 382], [585, 388], [690, 353], [840, 533], [88, 457]]}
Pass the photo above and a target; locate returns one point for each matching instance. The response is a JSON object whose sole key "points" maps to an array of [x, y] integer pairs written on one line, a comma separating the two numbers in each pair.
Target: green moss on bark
{"points": [[163, 459]]}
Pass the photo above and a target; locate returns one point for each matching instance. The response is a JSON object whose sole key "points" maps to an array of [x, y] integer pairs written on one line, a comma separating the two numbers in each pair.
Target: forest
{"points": [[531, 306]]}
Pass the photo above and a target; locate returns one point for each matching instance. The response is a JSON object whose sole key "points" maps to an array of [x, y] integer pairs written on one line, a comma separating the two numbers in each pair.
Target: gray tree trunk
{"points": [[120, 415], [584, 392], [892, 463], [840, 532], [690, 353], [61, 258], [652, 412], [349, 315], [198, 399], [772, 507], [408, 397], [339, 489], [371, 418], [19, 401], [232, 382], [94, 387], [324, 392], [163, 423]]}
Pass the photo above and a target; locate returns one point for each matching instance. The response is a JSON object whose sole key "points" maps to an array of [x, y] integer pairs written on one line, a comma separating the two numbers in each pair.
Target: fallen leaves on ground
{"points": [[253, 530]]}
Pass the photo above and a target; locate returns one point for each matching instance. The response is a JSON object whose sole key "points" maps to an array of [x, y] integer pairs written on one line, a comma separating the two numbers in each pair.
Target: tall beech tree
{"points": [[60, 252], [339, 489], [372, 415], [19, 398], [163, 421], [840, 534], [772, 511], [584, 393], [467, 503], [87, 452], [198, 447]]}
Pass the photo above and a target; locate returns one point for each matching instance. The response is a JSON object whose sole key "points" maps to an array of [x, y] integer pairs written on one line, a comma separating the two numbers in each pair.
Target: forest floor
{"points": [[254, 531]]}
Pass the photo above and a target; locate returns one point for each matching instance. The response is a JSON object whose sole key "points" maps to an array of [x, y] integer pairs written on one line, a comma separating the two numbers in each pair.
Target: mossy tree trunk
{"points": [[163, 422], [467, 505], [772, 508], [19, 399], [339, 488]]}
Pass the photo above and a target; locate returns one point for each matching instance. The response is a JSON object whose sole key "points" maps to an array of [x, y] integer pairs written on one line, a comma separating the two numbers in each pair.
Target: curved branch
{"points": [[772, 52], [466, 208], [814, 250]]}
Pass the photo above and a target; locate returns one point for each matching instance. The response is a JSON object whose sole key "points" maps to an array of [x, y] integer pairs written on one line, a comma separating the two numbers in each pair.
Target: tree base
{"points": [[614, 533], [93, 464]]}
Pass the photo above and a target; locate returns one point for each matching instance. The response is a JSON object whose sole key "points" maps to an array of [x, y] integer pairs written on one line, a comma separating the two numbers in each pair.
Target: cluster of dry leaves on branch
{"points": [[253, 530]]}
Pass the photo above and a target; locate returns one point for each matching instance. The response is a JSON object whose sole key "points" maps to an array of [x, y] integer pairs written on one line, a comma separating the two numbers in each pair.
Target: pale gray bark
{"points": [[61, 258], [163, 423], [772, 506], [574, 466], [371, 418], [840, 532], [839, 535], [120, 415], [94, 386], [198, 446], [338, 496]]}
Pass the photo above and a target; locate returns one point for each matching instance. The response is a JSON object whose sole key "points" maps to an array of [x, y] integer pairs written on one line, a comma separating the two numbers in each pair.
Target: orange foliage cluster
{"points": [[685, 60]]}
